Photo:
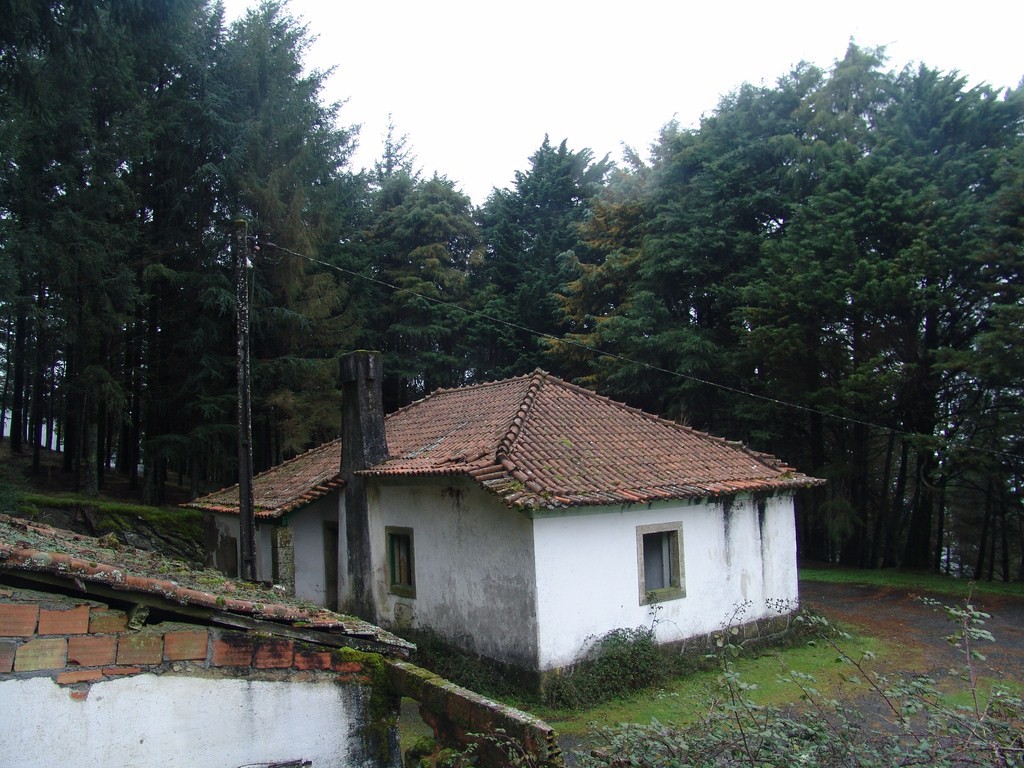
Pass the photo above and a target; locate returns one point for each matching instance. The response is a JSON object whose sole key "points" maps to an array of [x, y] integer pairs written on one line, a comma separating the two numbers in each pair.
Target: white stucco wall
{"points": [[264, 551], [588, 579], [169, 720], [307, 526], [473, 563]]}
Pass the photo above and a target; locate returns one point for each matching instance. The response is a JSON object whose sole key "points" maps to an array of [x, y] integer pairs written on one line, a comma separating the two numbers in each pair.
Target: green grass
{"points": [[912, 580], [685, 698], [959, 695]]}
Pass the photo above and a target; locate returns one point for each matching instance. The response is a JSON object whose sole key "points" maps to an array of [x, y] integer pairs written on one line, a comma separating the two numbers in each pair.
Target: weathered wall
{"points": [[738, 565], [223, 550], [473, 567], [78, 686], [460, 717], [308, 538], [170, 720]]}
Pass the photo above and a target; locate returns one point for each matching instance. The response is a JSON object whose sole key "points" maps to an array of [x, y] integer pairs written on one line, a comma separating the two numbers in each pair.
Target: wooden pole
{"points": [[247, 522]]}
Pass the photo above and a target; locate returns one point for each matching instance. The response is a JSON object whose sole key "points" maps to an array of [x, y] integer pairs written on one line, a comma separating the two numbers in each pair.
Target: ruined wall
{"points": [[460, 718], [223, 551], [79, 686]]}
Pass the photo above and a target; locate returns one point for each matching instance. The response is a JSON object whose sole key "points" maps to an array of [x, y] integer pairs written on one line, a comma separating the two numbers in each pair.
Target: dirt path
{"points": [[899, 617]]}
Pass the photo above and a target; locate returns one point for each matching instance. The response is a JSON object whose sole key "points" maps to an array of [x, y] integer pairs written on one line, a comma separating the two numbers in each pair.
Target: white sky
{"points": [[475, 84]]}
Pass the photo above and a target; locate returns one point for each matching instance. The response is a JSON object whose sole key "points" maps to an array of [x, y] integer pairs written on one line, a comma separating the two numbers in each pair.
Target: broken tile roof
{"points": [[540, 442], [28, 548], [290, 485]]}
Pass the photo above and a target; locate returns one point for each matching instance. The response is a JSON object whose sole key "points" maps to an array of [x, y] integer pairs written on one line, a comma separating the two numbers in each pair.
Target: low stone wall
{"points": [[759, 633], [461, 718]]}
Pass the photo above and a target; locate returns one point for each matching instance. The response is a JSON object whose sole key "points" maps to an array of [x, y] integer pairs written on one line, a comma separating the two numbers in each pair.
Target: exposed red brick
{"points": [[141, 648], [92, 650], [346, 666], [179, 646], [18, 620], [107, 620], [41, 653], [312, 660], [120, 671], [74, 621], [274, 654], [79, 676], [80, 695], [7, 649], [232, 651]]}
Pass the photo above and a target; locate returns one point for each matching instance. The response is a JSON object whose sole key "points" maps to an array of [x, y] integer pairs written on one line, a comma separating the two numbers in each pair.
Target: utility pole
{"points": [[247, 522]]}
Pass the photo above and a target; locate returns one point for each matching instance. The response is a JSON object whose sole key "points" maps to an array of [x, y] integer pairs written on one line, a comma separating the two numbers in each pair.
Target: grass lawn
{"points": [[912, 580], [686, 698]]}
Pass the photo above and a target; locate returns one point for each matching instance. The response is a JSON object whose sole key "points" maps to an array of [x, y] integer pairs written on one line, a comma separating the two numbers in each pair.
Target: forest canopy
{"points": [[828, 268]]}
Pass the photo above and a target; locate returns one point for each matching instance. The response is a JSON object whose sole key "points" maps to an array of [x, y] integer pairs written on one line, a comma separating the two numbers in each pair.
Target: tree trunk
{"points": [[39, 381], [1005, 526], [916, 553], [101, 444], [89, 478], [979, 565], [5, 394], [940, 533], [884, 505], [18, 396], [896, 525]]}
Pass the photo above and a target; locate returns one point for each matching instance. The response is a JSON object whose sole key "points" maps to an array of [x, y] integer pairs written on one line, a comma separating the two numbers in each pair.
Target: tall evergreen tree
{"points": [[528, 232]]}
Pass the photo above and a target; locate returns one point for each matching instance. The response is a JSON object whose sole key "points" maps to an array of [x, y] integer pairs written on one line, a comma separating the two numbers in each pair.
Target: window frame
{"points": [[676, 588], [393, 536]]}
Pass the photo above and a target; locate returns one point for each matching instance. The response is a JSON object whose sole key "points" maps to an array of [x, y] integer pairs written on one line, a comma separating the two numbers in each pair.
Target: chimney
{"points": [[363, 444]]}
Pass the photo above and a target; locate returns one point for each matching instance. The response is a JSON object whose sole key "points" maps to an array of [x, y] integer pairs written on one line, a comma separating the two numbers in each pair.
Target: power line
{"points": [[624, 359]]}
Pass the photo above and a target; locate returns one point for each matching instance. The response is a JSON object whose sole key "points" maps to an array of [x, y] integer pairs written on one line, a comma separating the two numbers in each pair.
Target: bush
{"points": [[619, 663]]}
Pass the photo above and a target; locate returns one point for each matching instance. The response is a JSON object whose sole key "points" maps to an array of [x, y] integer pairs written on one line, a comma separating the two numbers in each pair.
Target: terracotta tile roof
{"points": [[288, 486], [538, 441], [27, 548]]}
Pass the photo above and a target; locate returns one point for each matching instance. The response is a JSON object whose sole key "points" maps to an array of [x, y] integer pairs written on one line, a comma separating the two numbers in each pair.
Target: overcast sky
{"points": [[476, 84]]}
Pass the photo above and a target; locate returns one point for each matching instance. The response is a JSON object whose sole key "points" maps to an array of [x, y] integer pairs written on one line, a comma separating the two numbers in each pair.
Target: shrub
{"points": [[617, 664]]}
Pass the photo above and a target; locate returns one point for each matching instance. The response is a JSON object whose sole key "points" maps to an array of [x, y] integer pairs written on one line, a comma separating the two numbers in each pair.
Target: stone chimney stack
{"points": [[363, 444]]}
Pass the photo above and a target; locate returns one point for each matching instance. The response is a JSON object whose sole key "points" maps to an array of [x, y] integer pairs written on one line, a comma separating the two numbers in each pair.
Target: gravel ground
{"points": [[900, 617]]}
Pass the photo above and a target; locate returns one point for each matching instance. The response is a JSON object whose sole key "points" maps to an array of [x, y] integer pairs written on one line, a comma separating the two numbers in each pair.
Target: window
{"points": [[660, 562], [400, 562]]}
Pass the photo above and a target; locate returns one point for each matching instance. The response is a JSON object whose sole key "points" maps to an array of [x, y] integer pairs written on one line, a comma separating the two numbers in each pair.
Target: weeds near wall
{"points": [[891, 722], [629, 660], [449, 661], [620, 663]]}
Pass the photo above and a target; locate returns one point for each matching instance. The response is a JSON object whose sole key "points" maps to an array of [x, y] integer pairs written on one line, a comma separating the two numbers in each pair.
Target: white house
{"points": [[523, 518]]}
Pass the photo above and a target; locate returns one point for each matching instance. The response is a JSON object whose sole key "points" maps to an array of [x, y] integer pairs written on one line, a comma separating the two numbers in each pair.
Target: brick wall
{"points": [[78, 642]]}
